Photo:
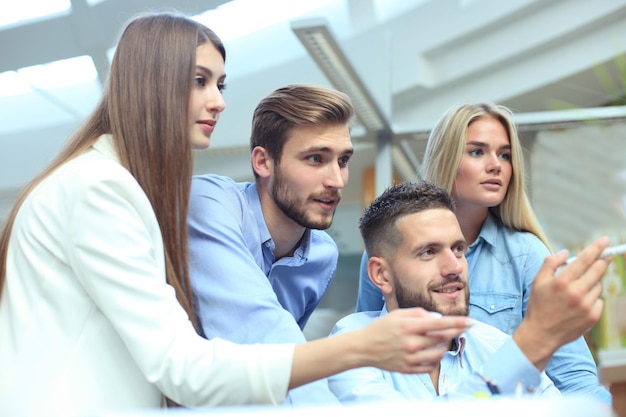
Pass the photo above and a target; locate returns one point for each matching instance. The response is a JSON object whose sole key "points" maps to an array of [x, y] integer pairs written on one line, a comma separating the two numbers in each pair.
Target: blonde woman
{"points": [[474, 153]]}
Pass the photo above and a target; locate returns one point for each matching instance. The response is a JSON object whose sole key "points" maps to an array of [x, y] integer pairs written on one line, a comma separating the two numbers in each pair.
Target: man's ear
{"points": [[262, 163], [378, 271]]}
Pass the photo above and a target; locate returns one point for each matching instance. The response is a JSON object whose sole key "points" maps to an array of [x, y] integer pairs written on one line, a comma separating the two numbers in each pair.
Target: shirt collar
{"points": [[254, 201], [489, 231], [105, 145]]}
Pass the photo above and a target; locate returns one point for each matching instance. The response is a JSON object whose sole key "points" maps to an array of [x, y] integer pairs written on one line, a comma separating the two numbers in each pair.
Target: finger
{"points": [[445, 334], [432, 354], [550, 265], [585, 259], [592, 276]]}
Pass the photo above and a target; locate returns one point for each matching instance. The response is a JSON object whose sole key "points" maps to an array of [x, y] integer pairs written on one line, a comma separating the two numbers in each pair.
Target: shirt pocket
{"points": [[497, 309]]}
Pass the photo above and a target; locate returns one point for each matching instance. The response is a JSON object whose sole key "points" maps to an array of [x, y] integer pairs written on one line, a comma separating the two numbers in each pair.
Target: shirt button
{"points": [[267, 244], [492, 307]]}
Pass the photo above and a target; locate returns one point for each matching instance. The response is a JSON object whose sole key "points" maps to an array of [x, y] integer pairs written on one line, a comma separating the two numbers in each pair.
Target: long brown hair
{"points": [[144, 107]]}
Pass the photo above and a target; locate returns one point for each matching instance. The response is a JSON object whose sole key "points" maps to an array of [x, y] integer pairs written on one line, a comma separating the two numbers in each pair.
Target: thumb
{"points": [[551, 264]]}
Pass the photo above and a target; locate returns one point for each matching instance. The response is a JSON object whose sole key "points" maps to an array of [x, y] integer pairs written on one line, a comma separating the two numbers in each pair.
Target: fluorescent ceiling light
{"points": [[254, 15], [24, 10], [11, 84], [60, 73], [321, 45]]}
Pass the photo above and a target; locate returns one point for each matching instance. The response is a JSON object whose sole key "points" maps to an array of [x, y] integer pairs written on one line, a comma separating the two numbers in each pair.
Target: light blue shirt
{"points": [[502, 266], [241, 292], [481, 352]]}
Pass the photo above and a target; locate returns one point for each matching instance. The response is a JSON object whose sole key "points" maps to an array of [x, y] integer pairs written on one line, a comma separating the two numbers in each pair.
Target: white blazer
{"points": [[87, 322]]}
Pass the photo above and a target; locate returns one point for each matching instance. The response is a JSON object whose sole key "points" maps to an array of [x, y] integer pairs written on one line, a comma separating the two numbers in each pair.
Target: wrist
{"points": [[537, 346]]}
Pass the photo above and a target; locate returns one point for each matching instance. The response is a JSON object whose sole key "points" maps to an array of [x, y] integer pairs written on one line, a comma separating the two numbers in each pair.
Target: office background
{"points": [[560, 65]]}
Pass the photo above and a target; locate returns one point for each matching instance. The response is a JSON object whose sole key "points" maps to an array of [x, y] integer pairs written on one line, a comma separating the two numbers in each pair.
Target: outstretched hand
{"points": [[411, 340], [564, 306]]}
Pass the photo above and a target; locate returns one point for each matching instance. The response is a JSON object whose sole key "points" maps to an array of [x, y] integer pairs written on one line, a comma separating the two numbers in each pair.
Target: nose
{"points": [[494, 163], [452, 264], [215, 101], [336, 177]]}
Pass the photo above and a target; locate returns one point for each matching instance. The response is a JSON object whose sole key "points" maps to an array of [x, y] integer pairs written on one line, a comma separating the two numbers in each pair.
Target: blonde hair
{"points": [[144, 107], [445, 148]]}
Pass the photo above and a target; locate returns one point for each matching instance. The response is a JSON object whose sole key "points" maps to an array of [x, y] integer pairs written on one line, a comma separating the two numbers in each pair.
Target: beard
{"points": [[294, 207], [407, 298]]}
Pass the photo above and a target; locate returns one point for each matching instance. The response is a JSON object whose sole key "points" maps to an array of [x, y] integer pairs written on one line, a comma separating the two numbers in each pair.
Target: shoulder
{"points": [[93, 169], [213, 181], [354, 321], [521, 241], [217, 188]]}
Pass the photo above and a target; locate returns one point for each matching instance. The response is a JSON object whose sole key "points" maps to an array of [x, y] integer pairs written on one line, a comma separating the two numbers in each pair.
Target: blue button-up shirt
{"points": [[502, 265], [481, 352], [241, 292]]}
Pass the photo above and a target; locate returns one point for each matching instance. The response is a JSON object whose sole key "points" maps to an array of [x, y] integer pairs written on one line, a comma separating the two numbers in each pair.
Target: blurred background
{"points": [[560, 65]]}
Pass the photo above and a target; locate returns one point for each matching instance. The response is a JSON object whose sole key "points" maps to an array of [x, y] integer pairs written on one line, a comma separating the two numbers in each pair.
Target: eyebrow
{"points": [[208, 72], [484, 145], [439, 245], [325, 149]]}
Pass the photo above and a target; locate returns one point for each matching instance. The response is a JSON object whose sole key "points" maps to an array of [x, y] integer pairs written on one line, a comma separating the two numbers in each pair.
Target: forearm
{"points": [[538, 350], [324, 357]]}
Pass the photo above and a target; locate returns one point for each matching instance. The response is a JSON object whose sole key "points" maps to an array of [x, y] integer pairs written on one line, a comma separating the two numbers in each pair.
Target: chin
{"points": [[200, 145]]}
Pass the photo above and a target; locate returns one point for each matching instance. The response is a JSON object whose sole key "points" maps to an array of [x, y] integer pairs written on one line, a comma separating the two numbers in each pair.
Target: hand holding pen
{"points": [[564, 302]]}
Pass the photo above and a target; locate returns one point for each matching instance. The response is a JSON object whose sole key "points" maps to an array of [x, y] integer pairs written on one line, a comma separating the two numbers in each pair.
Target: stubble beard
{"points": [[409, 299], [293, 207]]}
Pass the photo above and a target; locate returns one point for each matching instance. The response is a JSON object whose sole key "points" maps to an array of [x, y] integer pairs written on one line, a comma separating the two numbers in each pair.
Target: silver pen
{"points": [[608, 252]]}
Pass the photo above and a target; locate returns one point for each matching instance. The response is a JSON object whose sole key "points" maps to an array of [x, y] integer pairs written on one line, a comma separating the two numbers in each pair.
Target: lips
{"points": [[494, 181], [207, 122], [450, 288]]}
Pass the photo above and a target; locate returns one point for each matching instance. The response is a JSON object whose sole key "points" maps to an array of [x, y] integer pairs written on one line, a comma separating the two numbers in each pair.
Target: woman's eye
{"points": [[476, 152], [221, 87], [506, 156], [200, 81]]}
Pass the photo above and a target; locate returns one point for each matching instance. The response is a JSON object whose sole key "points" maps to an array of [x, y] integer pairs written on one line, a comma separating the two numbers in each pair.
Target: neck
{"points": [[471, 220], [434, 377], [285, 233]]}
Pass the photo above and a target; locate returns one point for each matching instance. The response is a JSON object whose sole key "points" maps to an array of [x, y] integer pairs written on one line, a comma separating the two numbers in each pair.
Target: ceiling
{"points": [[415, 57]]}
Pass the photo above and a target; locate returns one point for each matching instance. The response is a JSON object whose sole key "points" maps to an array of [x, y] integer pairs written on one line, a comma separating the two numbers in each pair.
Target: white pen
{"points": [[608, 252]]}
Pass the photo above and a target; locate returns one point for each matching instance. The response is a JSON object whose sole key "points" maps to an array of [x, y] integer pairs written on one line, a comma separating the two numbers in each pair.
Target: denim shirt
{"points": [[502, 264], [241, 292], [481, 352]]}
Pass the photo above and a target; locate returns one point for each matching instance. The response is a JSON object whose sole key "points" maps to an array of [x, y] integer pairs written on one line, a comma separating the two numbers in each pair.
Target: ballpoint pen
{"points": [[608, 252], [492, 386]]}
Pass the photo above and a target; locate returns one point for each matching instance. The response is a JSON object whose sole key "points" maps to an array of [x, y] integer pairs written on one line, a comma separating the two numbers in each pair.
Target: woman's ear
{"points": [[262, 163], [378, 271]]}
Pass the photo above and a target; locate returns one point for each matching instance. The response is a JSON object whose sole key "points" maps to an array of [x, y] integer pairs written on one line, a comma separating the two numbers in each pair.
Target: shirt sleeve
{"points": [[366, 384], [508, 367], [234, 299], [369, 297], [115, 249]]}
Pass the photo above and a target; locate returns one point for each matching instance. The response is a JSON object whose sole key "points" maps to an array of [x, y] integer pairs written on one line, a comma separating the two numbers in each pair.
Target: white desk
{"points": [[570, 407]]}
